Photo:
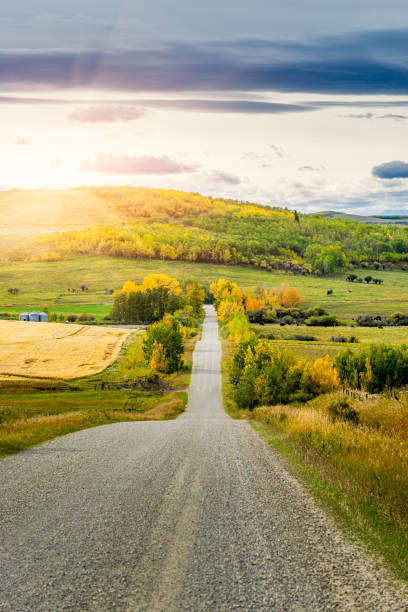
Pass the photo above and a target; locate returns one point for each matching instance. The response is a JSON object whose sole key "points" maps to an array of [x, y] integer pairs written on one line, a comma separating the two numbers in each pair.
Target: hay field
{"points": [[53, 350]]}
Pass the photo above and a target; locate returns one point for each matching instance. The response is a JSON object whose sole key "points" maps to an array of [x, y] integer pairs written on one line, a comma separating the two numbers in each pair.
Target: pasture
{"points": [[44, 350], [47, 283], [285, 336]]}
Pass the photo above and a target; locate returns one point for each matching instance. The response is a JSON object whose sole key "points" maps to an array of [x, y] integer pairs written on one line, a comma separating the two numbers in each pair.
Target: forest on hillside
{"points": [[174, 225]]}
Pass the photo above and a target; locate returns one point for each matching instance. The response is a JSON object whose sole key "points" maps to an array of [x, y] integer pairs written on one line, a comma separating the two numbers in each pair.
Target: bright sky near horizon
{"points": [[299, 104]]}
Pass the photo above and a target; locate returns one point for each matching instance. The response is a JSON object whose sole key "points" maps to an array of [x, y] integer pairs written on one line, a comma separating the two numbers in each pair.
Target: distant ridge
{"points": [[377, 220]]}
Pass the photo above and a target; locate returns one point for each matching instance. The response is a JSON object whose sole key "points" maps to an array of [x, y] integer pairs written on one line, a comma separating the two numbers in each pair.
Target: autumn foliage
{"points": [[265, 374], [157, 295]]}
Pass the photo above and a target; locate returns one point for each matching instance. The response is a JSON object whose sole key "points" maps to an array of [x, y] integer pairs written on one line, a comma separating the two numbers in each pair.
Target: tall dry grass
{"points": [[368, 459]]}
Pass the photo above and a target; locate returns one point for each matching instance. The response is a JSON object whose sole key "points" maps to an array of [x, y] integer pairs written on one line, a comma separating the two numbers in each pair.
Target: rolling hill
{"points": [[170, 225]]}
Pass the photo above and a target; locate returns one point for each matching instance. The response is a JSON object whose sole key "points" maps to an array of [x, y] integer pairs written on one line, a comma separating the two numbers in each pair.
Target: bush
{"points": [[6, 315], [341, 410], [304, 338], [370, 321], [300, 397], [316, 312], [323, 321], [287, 320], [72, 318]]}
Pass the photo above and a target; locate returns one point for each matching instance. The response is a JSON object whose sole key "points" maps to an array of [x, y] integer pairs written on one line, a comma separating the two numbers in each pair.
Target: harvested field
{"points": [[52, 350]]}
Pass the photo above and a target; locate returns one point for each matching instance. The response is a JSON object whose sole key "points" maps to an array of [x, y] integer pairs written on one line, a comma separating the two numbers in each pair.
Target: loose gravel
{"points": [[193, 514]]}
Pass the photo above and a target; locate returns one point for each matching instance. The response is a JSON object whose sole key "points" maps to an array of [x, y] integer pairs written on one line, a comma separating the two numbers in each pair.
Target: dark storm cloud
{"points": [[391, 170], [364, 63]]}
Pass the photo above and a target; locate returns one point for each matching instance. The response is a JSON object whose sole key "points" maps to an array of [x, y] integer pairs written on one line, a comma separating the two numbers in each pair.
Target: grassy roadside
{"points": [[33, 420], [358, 472], [35, 411]]}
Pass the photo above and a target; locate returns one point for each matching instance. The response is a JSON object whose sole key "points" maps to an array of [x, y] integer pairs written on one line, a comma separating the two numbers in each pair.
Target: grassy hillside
{"points": [[46, 283], [27, 214], [176, 226]]}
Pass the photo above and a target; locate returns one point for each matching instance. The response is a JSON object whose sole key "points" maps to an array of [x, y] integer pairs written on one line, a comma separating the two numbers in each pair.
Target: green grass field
{"points": [[322, 346], [46, 283], [389, 335]]}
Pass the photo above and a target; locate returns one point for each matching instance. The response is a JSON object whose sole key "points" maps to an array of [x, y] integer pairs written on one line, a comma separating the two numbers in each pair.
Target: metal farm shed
{"points": [[37, 317]]}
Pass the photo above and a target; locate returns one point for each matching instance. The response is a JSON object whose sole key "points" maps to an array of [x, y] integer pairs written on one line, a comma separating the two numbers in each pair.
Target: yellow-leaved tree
{"points": [[158, 361], [129, 287], [321, 376], [153, 281], [228, 309]]}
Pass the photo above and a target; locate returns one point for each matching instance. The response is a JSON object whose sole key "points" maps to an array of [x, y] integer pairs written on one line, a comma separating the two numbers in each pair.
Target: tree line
{"points": [[174, 225]]}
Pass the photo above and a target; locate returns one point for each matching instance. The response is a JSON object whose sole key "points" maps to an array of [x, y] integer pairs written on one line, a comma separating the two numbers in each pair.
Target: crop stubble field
{"points": [[40, 350]]}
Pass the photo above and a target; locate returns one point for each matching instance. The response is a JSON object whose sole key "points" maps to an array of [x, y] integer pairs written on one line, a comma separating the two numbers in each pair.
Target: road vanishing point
{"points": [[192, 514]]}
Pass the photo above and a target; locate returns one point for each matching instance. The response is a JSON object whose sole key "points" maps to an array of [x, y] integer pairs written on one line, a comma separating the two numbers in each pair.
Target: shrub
{"points": [[341, 410], [6, 315], [287, 320], [304, 338], [323, 321], [72, 318], [370, 321], [316, 312]]}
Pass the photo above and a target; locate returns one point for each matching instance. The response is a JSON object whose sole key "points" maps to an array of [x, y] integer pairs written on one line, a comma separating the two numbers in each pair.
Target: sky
{"points": [[297, 104]]}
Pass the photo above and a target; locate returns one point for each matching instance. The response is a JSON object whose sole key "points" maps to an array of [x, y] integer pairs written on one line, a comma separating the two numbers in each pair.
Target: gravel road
{"points": [[192, 514]]}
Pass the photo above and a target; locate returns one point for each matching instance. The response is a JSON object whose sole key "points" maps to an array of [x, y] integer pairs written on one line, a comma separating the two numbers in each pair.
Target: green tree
{"points": [[164, 342]]}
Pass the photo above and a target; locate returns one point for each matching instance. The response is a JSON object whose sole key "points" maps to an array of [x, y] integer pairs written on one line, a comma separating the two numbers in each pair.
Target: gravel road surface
{"points": [[192, 514]]}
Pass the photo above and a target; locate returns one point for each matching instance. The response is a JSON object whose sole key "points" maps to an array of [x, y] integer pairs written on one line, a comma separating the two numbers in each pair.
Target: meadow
{"points": [[47, 283], [323, 345]]}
